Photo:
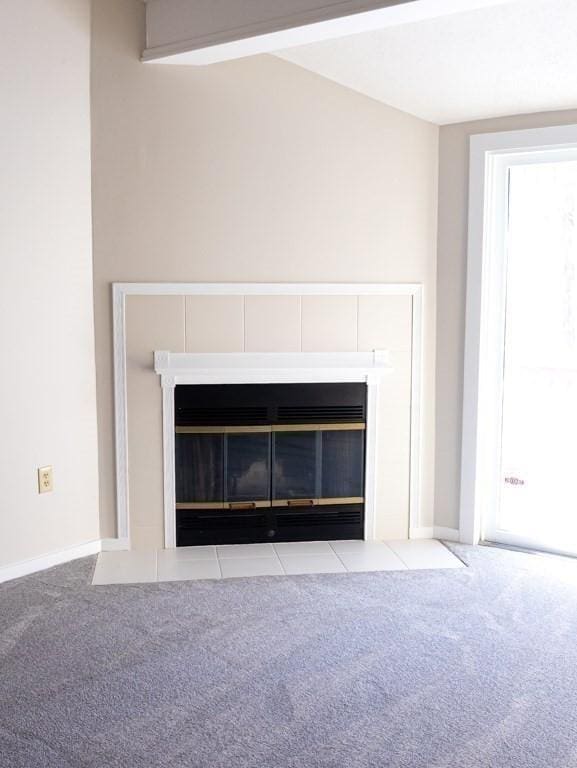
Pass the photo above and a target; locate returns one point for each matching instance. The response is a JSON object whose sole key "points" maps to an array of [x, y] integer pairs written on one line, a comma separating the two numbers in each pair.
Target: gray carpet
{"points": [[471, 668]]}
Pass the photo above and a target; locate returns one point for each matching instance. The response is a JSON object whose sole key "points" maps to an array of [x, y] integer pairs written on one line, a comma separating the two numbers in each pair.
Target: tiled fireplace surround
{"points": [[266, 323]]}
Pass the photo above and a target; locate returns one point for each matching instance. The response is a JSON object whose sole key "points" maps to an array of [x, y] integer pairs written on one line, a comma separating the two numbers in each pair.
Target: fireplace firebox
{"points": [[269, 462]]}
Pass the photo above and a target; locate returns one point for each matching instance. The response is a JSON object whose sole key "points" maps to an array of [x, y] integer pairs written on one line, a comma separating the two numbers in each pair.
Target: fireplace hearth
{"points": [[269, 462]]}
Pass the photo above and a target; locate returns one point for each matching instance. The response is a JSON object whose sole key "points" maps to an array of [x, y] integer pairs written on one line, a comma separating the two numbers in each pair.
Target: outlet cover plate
{"points": [[45, 480]]}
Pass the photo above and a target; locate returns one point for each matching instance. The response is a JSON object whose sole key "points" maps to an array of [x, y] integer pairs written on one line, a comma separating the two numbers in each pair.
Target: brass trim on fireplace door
{"points": [[344, 500], [198, 430], [223, 430], [246, 505], [247, 429], [199, 505], [300, 502], [347, 427], [265, 428], [232, 505], [317, 502]]}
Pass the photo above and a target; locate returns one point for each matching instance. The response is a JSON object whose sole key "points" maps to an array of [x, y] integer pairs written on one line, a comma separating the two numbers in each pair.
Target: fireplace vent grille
{"points": [[340, 516], [197, 527], [221, 415], [303, 414]]}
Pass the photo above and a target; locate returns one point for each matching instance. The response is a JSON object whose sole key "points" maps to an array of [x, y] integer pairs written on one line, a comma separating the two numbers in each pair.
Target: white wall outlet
{"points": [[45, 480]]}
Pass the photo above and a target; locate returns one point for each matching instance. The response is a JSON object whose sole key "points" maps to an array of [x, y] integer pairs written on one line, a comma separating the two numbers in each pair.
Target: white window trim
{"points": [[121, 290], [491, 156]]}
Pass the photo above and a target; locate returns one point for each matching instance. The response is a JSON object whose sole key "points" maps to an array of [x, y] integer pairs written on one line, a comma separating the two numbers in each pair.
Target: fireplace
{"points": [[269, 462]]}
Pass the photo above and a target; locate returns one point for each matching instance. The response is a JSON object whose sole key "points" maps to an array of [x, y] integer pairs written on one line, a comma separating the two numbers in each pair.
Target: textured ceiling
{"points": [[508, 59]]}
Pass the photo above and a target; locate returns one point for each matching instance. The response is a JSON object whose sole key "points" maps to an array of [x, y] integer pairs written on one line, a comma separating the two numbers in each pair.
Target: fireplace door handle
{"points": [[242, 505], [300, 502]]}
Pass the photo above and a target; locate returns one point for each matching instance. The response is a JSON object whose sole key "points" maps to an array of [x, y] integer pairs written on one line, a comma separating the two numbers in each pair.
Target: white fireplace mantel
{"points": [[267, 368]]}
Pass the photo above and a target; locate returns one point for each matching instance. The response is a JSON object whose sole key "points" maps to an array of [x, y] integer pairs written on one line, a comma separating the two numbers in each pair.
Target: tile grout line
{"points": [[358, 316], [339, 558], [396, 554], [185, 329], [341, 561], [380, 570], [428, 566], [284, 573], [253, 557], [407, 566], [301, 321], [243, 325]]}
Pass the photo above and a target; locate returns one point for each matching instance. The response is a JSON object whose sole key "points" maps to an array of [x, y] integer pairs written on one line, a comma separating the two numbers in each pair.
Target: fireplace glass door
{"points": [[296, 467], [318, 465], [247, 468], [343, 460], [233, 469], [199, 468]]}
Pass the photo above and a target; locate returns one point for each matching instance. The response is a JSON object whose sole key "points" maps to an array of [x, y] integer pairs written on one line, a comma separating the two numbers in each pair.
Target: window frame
{"points": [[491, 157]]}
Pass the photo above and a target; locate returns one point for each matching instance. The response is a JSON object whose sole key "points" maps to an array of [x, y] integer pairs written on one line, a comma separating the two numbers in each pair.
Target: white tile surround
{"points": [[293, 558], [195, 319]]}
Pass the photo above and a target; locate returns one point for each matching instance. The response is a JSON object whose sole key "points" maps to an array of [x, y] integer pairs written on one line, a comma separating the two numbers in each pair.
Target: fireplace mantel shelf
{"points": [[262, 367]]}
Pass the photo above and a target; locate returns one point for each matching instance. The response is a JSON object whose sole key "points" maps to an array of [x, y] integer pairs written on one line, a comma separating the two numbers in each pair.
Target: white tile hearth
{"points": [[426, 553], [251, 566], [125, 568], [296, 564], [303, 548], [358, 547], [187, 553], [234, 551], [290, 559], [372, 560], [187, 570]]}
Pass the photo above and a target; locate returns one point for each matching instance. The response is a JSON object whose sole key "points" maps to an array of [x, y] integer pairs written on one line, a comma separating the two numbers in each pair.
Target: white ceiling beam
{"points": [[201, 32]]}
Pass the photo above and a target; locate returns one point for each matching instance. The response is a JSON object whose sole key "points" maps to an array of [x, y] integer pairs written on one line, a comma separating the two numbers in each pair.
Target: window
{"points": [[519, 277]]}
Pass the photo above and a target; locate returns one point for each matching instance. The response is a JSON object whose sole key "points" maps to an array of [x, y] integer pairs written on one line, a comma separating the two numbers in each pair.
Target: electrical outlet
{"points": [[45, 480]]}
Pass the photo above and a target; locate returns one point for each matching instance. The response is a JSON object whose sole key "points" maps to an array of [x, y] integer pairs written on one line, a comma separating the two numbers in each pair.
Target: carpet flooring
{"points": [[466, 668]]}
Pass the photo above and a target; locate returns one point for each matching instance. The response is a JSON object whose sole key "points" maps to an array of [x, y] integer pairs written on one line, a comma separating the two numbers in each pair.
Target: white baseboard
{"points": [[447, 534], [26, 567], [114, 545]]}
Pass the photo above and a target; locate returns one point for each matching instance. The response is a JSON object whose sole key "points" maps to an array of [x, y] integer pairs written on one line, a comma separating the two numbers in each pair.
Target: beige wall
{"points": [[266, 323], [452, 254], [252, 171], [47, 387]]}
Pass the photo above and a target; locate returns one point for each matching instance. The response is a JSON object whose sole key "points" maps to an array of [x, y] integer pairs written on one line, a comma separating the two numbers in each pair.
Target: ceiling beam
{"points": [[204, 31]]}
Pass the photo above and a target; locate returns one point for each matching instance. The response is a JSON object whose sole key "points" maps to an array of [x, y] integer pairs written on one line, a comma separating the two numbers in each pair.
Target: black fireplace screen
{"points": [[288, 465]]}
